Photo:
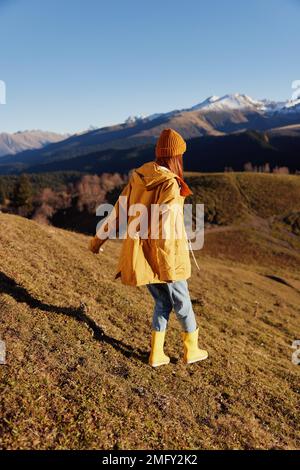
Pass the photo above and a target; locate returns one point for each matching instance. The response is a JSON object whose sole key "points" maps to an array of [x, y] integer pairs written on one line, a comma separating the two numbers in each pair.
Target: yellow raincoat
{"points": [[157, 248]]}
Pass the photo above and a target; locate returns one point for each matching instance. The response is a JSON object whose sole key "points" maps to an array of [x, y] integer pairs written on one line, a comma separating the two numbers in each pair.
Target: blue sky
{"points": [[69, 64]]}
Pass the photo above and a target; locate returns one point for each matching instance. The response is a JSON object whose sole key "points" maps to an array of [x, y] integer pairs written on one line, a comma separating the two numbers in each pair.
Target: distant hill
{"points": [[11, 144], [215, 117], [228, 198], [234, 197]]}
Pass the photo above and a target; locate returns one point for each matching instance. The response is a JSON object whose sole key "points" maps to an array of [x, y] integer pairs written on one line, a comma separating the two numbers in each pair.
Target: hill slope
{"points": [[231, 197], [77, 377]]}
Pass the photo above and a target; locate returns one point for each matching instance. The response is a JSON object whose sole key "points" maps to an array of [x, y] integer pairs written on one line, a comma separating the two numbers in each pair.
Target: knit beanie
{"points": [[170, 144]]}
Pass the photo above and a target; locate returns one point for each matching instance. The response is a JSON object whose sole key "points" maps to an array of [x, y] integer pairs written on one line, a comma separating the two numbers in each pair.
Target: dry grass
{"points": [[75, 383]]}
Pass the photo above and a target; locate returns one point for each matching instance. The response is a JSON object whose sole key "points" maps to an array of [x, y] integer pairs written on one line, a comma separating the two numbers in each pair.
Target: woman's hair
{"points": [[174, 164]]}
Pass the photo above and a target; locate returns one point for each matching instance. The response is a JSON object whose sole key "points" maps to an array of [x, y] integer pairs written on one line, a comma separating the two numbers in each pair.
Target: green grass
{"points": [[79, 379], [232, 197]]}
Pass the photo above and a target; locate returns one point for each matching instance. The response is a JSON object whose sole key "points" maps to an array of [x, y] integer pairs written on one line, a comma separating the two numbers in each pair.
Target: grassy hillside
{"points": [[232, 197], [228, 197], [77, 374]]}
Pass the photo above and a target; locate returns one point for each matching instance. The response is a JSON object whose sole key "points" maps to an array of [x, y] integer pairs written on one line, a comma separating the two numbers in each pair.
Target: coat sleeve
{"points": [[165, 243]]}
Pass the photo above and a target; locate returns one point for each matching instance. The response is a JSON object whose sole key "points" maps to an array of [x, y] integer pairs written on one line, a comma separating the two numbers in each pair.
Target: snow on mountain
{"points": [[150, 117], [229, 103], [236, 102], [134, 119], [246, 103], [213, 103], [272, 106], [191, 121], [205, 104]]}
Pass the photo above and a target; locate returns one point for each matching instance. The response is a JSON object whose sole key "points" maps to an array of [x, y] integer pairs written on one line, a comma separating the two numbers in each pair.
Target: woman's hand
{"points": [[95, 245]]}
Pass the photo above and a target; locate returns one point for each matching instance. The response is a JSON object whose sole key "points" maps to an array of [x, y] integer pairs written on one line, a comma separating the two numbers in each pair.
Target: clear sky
{"points": [[69, 64]]}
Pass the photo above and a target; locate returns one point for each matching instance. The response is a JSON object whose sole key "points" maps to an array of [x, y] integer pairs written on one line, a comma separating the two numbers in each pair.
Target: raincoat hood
{"points": [[151, 175]]}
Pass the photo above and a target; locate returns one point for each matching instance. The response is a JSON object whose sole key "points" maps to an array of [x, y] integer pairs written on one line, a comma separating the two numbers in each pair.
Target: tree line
{"points": [[34, 198]]}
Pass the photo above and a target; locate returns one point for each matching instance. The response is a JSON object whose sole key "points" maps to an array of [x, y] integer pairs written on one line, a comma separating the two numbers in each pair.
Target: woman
{"points": [[155, 251]]}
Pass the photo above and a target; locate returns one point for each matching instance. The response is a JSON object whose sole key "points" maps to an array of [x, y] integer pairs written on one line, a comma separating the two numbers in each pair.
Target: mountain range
{"points": [[11, 144], [229, 120]]}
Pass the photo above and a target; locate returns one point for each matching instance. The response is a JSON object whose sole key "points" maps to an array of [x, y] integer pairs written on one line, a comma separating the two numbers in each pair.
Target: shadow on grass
{"points": [[20, 294]]}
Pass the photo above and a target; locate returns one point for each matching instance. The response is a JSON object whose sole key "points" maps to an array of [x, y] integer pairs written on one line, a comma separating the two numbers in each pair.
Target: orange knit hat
{"points": [[170, 144]]}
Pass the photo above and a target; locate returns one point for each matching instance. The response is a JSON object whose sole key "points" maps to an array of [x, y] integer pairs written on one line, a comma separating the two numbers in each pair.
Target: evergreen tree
{"points": [[2, 194], [22, 198]]}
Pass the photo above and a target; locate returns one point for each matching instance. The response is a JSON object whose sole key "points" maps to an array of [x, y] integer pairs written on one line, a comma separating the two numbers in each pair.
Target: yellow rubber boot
{"points": [[191, 351], [157, 356]]}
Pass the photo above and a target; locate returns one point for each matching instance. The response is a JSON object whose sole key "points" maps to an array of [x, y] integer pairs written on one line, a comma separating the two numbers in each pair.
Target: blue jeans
{"points": [[169, 296]]}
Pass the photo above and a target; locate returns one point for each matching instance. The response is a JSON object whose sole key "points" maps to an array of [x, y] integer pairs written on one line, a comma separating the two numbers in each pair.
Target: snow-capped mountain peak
{"points": [[204, 104], [229, 102]]}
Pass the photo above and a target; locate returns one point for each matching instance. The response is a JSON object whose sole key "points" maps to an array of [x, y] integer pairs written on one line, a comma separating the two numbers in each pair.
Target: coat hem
{"points": [[152, 281]]}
